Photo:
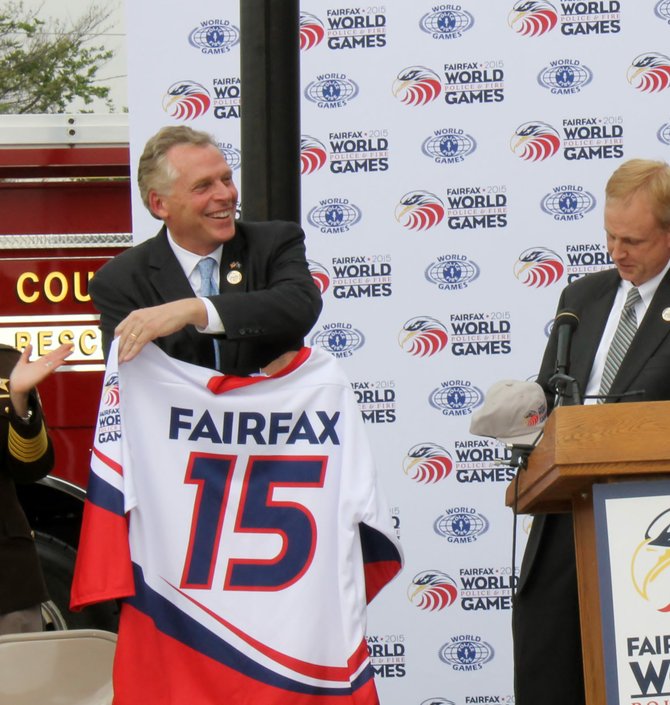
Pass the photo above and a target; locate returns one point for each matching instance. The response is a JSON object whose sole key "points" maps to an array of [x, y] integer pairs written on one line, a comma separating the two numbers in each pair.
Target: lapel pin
{"points": [[234, 277], [666, 314]]}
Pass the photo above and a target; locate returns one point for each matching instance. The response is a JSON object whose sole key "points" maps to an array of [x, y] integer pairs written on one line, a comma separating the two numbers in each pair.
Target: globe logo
{"points": [[663, 133], [331, 92], [452, 272], [438, 701], [451, 146], [662, 10], [446, 24], [341, 215], [456, 399], [341, 340], [213, 35], [232, 155], [461, 526], [565, 77], [568, 201], [466, 651]]}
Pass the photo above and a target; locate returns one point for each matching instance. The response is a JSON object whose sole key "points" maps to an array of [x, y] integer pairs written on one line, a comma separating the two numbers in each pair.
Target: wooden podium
{"points": [[581, 446]]}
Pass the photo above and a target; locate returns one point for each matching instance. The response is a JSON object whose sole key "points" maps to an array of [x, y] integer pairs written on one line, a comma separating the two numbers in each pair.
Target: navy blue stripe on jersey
{"points": [[103, 495], [176, 624]]}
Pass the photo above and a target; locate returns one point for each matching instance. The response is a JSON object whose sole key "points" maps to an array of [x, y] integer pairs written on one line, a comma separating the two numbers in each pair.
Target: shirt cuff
{"points": [[214, 322]]}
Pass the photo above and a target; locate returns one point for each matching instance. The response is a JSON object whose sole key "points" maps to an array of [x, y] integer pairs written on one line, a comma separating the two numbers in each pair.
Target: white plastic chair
{"points": [[57, 668]]}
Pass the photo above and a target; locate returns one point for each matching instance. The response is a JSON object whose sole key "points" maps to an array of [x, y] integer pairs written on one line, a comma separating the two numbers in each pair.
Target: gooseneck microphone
{"points": [[565, 323]]}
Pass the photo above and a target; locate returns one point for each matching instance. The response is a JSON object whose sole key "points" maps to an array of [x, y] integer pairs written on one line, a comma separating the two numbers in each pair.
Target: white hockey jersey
{"points": [[240, 520]]}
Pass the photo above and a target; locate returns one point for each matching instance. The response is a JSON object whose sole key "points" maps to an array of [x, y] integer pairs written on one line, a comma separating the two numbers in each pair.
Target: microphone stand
{"points": [[565, 387]]}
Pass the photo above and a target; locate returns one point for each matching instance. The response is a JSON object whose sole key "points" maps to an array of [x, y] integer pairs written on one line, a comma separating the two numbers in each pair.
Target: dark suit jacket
{"points": [[27, 458], [267, 313], [546, 626]]}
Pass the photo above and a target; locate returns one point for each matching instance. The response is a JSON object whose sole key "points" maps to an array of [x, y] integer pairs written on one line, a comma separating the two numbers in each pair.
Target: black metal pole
{"points": [[270, 109]]}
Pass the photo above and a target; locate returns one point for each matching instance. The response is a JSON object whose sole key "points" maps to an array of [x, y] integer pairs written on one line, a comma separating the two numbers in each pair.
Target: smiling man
{"points": [[620, 351], [256, 302]]}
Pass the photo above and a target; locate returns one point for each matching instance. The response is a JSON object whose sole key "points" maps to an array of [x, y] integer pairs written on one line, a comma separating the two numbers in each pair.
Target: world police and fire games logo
{"points": [[461, 525], [449, 146], [227, 97], [423, 336], [214, 37], [416, 85], [376, 400], [419, 210], [532, 18], [576, 18], [662, 10], [486, 588], [331, 90], [565, 76], [539, 267], [320, 275], [333, 216], [588, 138], [474, 82], [186, 100], [313, 154], [535, 141], [109, 418], [456, 398], [649, 72], [480, 333], [312, 31], [663, 133], [388, 655], [341, 340], [649, 654], [475, 207], [452, 272], [471, 462], [446, 22], [482, 461], [650, 564], [359, 151], [355, 27], [586, 258], [427, 463], [568, 203], [437, 701], [466, 652], [362, 277], [432, 590]]}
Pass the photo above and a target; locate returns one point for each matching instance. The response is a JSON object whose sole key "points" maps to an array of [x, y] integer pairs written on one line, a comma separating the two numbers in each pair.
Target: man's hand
{"points": [[26, 375], [146, 324]]}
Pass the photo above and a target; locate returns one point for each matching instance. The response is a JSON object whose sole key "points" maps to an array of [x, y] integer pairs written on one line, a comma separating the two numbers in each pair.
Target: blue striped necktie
{"points": [[620, 342], [208, 287]]}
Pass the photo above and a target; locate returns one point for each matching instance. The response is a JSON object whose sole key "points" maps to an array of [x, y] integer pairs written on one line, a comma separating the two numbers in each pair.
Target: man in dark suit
{"points": [[26, 455], [545, 619], [267, 300]]}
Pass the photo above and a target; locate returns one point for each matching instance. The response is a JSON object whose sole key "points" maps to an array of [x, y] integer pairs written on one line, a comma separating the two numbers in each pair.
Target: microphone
{"points": [[566, 321]]}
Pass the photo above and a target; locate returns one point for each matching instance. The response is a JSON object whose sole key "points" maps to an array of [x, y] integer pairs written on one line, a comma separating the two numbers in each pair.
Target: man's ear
{"points": [[157, 205]]}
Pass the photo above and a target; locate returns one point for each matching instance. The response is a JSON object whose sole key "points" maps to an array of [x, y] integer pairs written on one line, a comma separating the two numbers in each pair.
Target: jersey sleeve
{"points": [[103, 568]]}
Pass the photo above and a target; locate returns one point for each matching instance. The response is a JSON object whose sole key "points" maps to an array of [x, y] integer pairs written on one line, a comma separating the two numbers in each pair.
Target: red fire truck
{"points": [[65, 203]]}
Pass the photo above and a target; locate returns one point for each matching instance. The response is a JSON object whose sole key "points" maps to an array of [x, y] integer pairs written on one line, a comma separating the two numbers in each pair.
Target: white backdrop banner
{"points": [[454, 158]]}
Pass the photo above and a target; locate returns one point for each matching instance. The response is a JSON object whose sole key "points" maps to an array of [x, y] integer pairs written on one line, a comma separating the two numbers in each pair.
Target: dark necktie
{"points": [[621, 341]]}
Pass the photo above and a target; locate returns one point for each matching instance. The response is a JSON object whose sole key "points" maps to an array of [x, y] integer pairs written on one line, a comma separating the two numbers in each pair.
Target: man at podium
{"points": [[610, 343]]}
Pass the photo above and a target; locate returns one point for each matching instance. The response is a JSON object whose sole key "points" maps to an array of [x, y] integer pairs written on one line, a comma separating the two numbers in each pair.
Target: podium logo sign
{"points": [[633, 546]]}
